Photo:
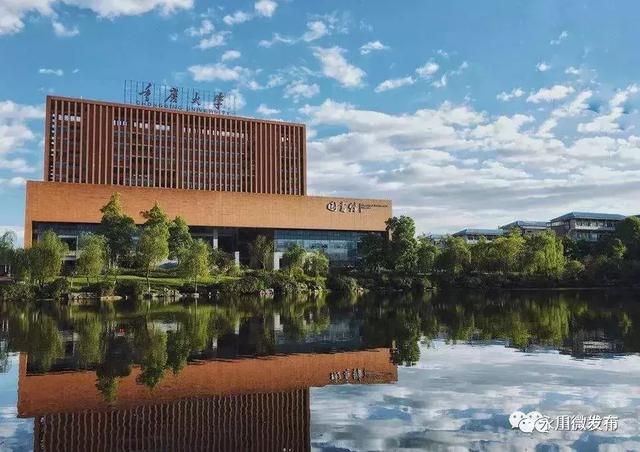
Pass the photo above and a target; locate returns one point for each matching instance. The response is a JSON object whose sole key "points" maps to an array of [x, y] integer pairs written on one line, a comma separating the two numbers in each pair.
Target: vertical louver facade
{"points": [[103, 143]]}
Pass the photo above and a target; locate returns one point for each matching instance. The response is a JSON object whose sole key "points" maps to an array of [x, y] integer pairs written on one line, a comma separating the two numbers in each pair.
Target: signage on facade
{"points": [[351, 206], [150, 94]]}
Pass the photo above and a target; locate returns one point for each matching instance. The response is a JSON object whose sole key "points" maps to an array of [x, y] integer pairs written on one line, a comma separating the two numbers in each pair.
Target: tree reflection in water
{"points": [[163, 339]]}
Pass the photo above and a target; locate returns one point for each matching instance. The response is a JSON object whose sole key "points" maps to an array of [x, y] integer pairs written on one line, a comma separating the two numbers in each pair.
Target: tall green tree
{"points": [[373, 251], [427, 252], [153, 248], [316, 263], [544, 255], [155, 216], [402, 251], [195, 263], [46, 257], [93, 256], [261, 251], [7, 245], [628, 231], [294, 257], [118, 230], [508, 251], [179, 238], [455, 256]]}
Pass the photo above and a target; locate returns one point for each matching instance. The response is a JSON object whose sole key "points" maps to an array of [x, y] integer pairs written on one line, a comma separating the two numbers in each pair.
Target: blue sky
{"points": [[464, 113]]}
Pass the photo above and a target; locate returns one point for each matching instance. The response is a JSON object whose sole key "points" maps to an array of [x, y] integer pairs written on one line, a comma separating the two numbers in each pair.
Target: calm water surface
{"points": [[422, 372]]}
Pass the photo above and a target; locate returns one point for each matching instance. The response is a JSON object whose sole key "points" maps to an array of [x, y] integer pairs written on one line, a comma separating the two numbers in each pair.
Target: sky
{"points": [[463, 113]]}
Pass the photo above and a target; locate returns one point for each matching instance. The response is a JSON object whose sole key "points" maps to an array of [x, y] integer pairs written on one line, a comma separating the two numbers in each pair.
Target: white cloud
{"points": [[394, 84], [236, 18], [235, 100], [428, 69], [217, 71], [13, 12], [18, 165], [14, 182], [209, 38], [62, 31], [230, 55], [543, 67], [372, 46], [515, 93], [300, 90], [277, 38], [265, 110], [265, 8], [15, 134], [572, 71], [315, 30], [441, 83], [556, 92], [335, 66], [49, 71], [608, 123], [564, 35]]}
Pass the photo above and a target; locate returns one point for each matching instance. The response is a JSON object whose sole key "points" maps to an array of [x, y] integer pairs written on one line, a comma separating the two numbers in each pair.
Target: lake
{"points": [[435, 371]]}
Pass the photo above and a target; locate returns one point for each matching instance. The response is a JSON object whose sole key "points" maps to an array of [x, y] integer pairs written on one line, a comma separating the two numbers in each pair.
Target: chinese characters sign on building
{"points": [[151, 94], [350, 206]]}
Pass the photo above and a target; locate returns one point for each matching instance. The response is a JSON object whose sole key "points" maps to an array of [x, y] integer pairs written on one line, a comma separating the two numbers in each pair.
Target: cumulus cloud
{"points": [[467, 166], [394, 84], [13, 13], [277, 38], [230, 55], [49, 71], [298, 90], [265, 110], [372, 46], [515, 93], [315, 30], [556, 92], [62, 31], [208, 37], [543, 67], [14, 129], [572, 71], [265, 8], [608, 123], [236, 18], [217, 71], [335, 66], [428, 69]]}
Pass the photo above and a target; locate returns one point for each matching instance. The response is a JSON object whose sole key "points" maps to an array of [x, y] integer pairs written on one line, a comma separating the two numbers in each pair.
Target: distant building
{"points": [[472, 236], [586, 225], [527, 227]]}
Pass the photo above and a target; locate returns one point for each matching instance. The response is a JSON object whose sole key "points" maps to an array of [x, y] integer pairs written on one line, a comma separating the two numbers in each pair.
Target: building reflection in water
{"points": [[228, 403]]}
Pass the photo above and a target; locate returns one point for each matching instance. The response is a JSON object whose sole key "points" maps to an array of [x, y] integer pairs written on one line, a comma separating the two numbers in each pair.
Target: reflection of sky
{"points": [[15, 434], [459, 397]]}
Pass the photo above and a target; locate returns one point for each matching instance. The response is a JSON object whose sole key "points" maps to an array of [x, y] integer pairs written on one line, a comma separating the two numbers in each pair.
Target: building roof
{"points": [[590, 216], [483, 232], [526, 224]]}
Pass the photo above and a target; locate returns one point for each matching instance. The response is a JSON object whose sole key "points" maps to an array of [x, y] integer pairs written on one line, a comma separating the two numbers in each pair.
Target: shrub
{"points": [[342, 283], [131, 289], [17, 292], [54, 290], [101, 289]]}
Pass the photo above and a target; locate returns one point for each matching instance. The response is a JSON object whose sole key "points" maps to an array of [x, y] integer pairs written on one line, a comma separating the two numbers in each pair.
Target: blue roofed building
{"points": [[527, 227], [472, 236], [587, 226]]}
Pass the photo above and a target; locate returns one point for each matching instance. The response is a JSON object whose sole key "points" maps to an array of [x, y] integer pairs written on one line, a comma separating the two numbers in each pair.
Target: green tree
{"points": [[221, 262], [118, 230], [179, 238], [508, 251], [316, 264], [93, 256], [427, 252], [153, 248], [7, 244], [294, 257], [155, 216], [195, 262], [373, 251], [46, 257], [402, 251], [544, 255], [151, 345], [455, 256], [20, 264], [261, 251], [628, 231]]}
